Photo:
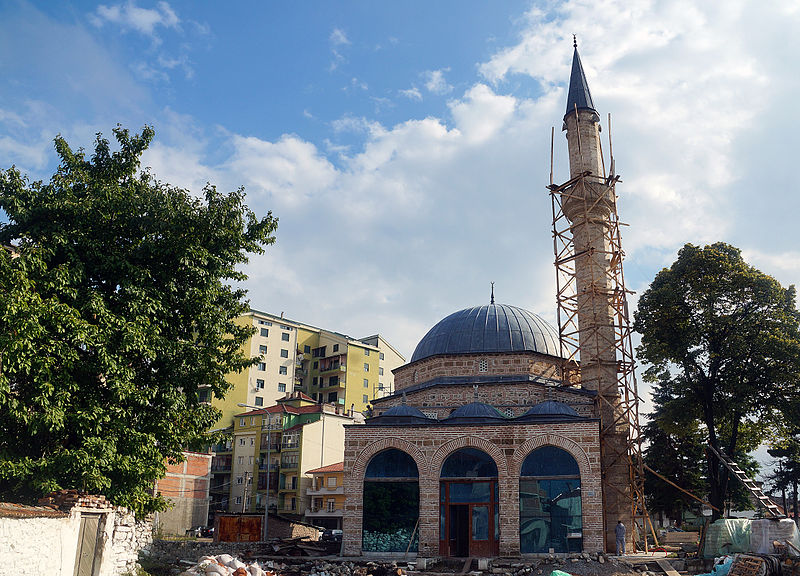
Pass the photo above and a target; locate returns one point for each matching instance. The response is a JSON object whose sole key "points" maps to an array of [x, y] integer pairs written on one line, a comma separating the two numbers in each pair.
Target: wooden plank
{"points": [[666, 567]]}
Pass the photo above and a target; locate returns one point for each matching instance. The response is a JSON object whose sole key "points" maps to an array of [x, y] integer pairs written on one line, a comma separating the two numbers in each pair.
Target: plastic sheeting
{"points": [[727, 537], [754, 536], [764, 532]]}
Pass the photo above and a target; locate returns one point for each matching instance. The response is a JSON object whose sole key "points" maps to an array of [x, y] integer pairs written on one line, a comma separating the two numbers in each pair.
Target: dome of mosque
{"points": [[491, 328]]}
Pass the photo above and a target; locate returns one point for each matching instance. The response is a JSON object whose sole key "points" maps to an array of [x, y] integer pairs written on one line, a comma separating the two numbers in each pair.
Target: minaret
{"points": [[588, 205]]}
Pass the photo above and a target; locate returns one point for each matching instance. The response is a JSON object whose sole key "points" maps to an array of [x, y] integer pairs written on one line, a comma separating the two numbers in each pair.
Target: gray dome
{"points": [[477, 410], [404, 410], [490, 328], [551, 408]]}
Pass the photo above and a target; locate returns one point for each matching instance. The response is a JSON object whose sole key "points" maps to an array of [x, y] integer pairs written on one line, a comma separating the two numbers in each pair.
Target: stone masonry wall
{"points": [[470, 365], [508, 445]]}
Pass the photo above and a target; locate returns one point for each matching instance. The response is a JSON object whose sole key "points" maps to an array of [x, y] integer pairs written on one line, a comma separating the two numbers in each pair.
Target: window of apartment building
{"points": [[238, 499], [366, 351], [293, 504], [289, 328], [335, 347], [239, 480], [333, 397], [281, 387], [241, 458], [242, 421], [262, 366], [380, 355], [241, 440], [314, 381], [260, 384], [204, 395], [293, 483], [331, 505], [265, 322], [318, 352], [262, 348], [366, 367], [250, 460], [380, 385], [380, 371], [282, 370], [366, 382], [284, 353], [314, 396], [316, 365], [265, 332], [259, 401], [306, 349], [331, 481], [333, 381], [252, 420], [252, 443], [285, 336], [365, 399]]}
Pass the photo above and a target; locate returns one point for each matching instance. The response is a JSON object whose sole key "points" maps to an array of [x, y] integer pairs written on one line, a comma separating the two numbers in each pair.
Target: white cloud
{"points": [[338, 37], [436, 83], [412, 93], [129, 16]]}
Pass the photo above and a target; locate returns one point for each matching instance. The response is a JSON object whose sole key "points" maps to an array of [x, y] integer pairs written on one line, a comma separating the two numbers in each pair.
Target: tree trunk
{"points": [[794, 499]]}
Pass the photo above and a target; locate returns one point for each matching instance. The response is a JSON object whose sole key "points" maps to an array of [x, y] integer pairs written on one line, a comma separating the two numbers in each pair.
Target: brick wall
{"points": [[506, 444], [520, 363]]}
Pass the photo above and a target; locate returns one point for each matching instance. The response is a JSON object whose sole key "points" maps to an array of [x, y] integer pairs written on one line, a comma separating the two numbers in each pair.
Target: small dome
{"points": [[403, 410], [476, 411], [551, 408], [490, 328]]}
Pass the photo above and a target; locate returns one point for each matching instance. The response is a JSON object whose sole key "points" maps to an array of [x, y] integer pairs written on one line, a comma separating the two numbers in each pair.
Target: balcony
{"points": [[320, 492], [225, 468], [324, 512]]}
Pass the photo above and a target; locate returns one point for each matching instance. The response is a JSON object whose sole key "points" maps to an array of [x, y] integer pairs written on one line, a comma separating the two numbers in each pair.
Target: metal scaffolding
{"points": [[592, 204]]}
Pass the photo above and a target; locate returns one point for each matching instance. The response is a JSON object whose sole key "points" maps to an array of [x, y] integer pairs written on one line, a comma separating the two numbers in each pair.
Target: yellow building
{"points": [[276, 447], [326, 496]]}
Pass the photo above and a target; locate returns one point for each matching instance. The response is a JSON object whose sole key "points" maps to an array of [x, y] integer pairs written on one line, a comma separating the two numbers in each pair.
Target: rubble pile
{"points": [[225, 565]]}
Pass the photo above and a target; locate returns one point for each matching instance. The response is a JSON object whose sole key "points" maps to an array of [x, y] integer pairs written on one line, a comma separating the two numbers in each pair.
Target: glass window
{"points": [[262, 349], [480, 522], [331, 481], [469, 463], [262, 366], [380, 371], [285, 337], [366, 367], [282, 370], [316, 365], [470, 492], [333, 397], [284, 352], [259, 401], [366, 382], [260, 384], [335, 347], [306, 349], [281, 387], [380, 356], [265, 332], [392, 463], [550, 513], [365, 398], [242, 421], [366, 351]]}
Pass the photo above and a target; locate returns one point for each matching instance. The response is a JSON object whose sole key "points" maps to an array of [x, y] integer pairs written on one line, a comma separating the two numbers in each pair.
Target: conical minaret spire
{"points": [[578, 96]]}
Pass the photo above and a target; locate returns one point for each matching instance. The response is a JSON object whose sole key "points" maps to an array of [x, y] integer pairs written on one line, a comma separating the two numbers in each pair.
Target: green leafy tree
{"points": [[117, 313], [676, 453], [721, 340]]}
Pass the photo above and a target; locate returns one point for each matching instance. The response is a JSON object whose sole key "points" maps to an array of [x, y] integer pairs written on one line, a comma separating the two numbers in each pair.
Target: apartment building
{"points": [[327, 366], [326, 496], [272, 450]]}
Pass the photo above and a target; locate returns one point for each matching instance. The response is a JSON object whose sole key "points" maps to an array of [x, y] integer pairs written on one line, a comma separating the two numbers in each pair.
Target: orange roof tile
{"points": [[338, 467]]}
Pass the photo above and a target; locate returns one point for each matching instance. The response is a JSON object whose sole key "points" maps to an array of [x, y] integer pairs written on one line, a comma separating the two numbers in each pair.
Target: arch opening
{"points": [[468, 505], [550, 515], [391, 476]]}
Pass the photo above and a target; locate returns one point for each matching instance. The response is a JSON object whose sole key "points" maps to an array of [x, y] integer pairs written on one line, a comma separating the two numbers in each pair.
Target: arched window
{"points": [[468, 510], [391, 477], [550, 502]]}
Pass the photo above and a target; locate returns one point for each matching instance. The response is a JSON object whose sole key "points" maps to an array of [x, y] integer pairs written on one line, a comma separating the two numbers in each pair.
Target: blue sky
{"points": [[405, 145]]}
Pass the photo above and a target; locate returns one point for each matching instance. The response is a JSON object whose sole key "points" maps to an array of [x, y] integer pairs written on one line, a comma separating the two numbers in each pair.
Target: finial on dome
{"points": [[475, 391], [574, 41], [491, 301], [404, 397]]}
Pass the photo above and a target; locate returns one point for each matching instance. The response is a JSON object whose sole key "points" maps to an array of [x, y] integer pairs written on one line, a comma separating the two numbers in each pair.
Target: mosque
{"points": [[485, 448]]}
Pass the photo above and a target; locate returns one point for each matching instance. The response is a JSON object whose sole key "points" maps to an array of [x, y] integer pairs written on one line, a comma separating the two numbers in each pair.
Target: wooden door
{"points": [[90, 549]]}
